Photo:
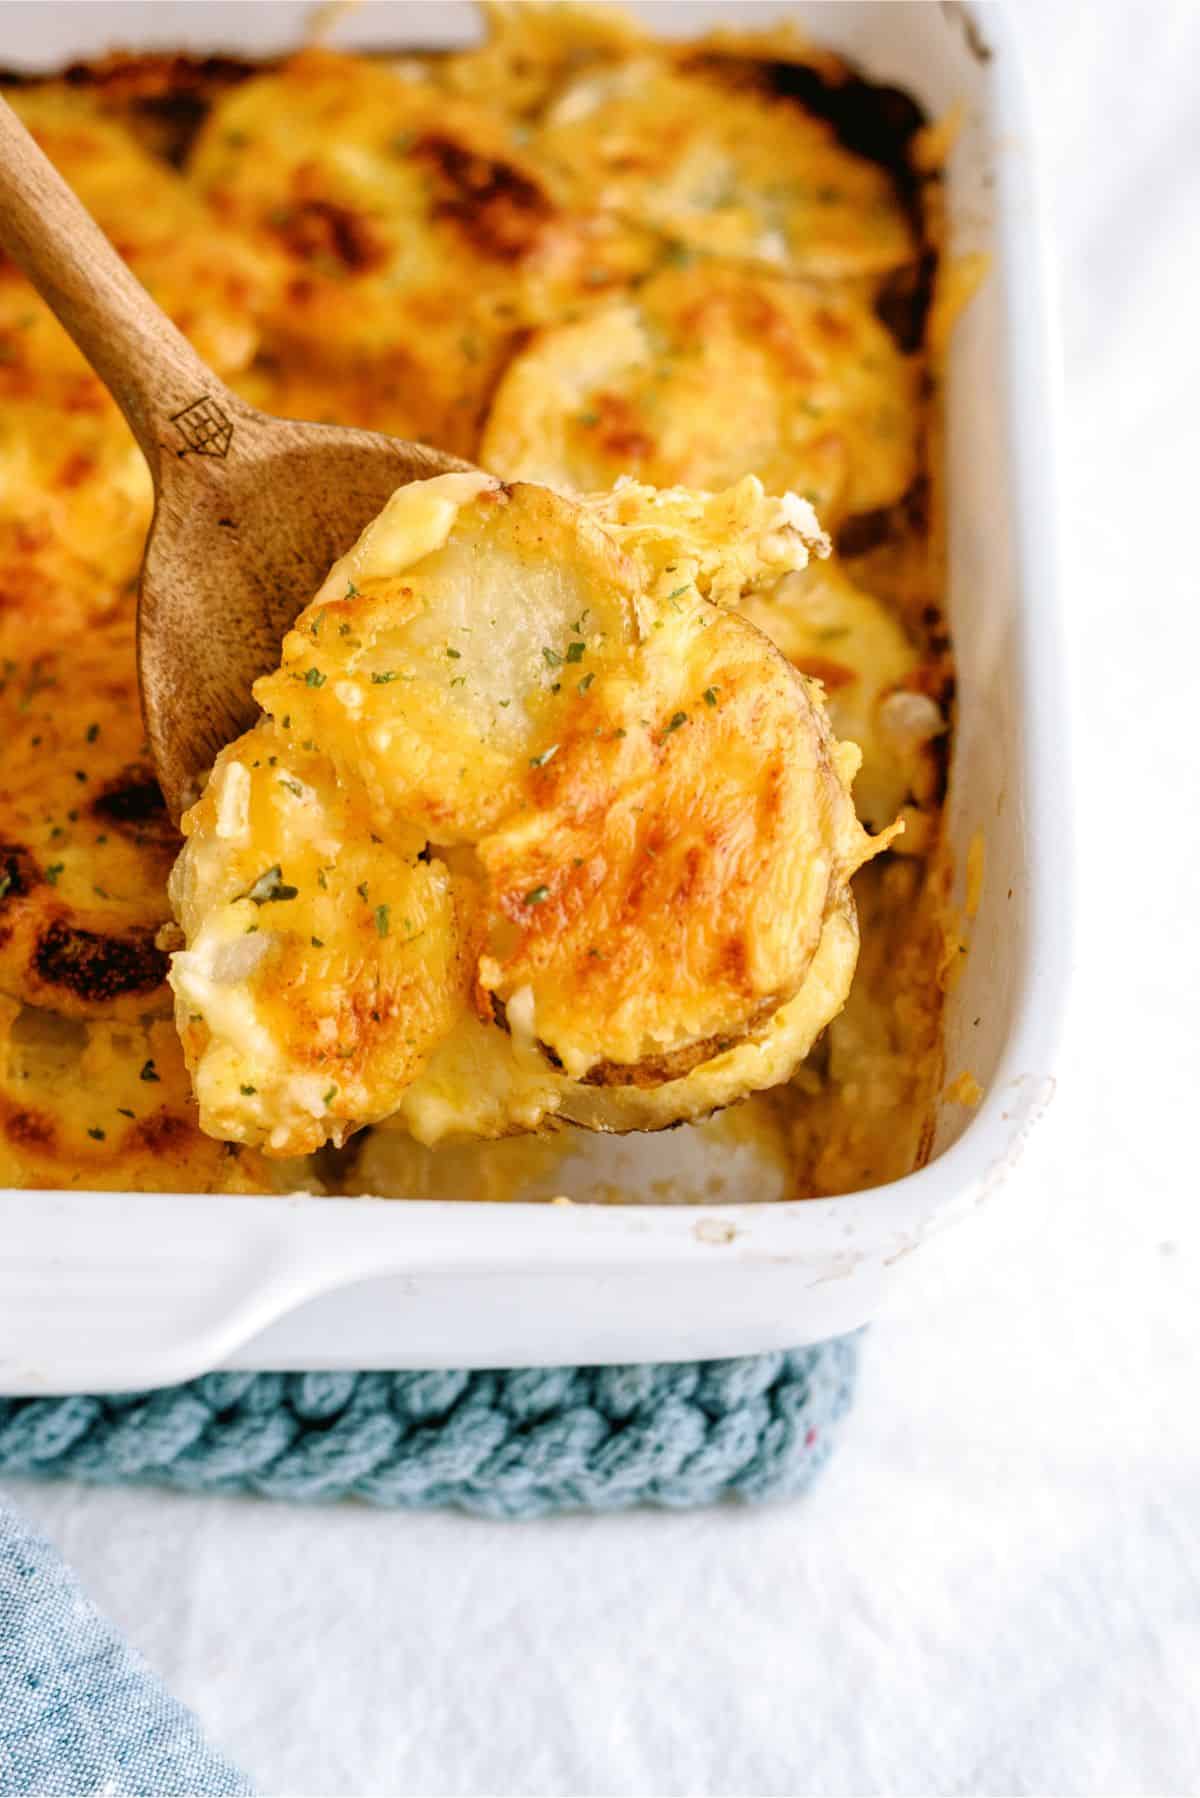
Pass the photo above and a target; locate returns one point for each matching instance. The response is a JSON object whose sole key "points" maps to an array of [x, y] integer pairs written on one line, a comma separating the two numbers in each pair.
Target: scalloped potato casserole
{"points": [[592, 794]]}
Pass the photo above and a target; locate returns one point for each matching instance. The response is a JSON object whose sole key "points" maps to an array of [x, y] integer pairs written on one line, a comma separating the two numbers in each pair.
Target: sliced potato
{"points": [[375, 194], [740, 175], [322, 963], [106, 1105], [612, 814], [870, 670], [709, 373], [85, 841]]}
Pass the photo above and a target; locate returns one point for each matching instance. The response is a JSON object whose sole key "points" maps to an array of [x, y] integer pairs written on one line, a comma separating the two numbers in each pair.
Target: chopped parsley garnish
{"points": [[124, 1112], [314, 678], [454, 654], [270, 888], [585, 683], [710, 695], [249, 1091], [553, 659], [383, 919], [362, 890], [539, 761], [675, 723], [504, 704], [330, 1096], [96, 1134], [53, 872], [381, 680], [316, 942], [6, 881], [351, 590], [149, 1071], [293, 786], [92, 732], [576, 651], [321, 880], [536, 895], [287, 721], [679, 590]]}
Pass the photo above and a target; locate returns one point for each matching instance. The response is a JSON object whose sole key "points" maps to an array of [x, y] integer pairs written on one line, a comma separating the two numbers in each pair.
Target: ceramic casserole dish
{"points": [[110, 1290]]}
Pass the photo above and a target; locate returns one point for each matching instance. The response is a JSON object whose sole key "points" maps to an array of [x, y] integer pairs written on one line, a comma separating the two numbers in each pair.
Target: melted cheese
{"points": [[710, 373], [611, 821], [491, 248]]}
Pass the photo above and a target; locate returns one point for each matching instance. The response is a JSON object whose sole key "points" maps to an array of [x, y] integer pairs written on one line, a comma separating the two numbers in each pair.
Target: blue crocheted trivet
{"points": [[512, 1444]]}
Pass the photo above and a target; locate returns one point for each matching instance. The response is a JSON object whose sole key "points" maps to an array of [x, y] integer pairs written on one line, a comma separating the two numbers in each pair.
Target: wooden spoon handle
{"points": [[147, 365]]}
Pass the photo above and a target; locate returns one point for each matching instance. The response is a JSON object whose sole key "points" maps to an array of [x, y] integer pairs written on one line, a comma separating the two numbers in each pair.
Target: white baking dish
{"points": [[121, 1290]]}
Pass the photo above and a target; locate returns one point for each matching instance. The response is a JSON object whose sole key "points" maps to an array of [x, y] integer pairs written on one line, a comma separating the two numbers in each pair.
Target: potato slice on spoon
{"points": [[530, 829]]}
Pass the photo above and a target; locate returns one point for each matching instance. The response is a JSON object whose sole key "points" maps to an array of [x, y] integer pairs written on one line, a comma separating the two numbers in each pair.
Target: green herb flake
{"points": [[314, 678], [96, 1134], [124, 1112], [585, 683], [381, 680], [330, 1096], [383, 919], [553, 659], [249, 1091], [679, 590], [362, 889], [321, 880], [6, 881], [316, 942], [53, 872], [270, 888], [351, 590], [454, 654], [576, 651], [504, 704], [537, 895], [710, 695], [92, 732], [675, 723], [149, 1072], [539, 761], [293, 786]]}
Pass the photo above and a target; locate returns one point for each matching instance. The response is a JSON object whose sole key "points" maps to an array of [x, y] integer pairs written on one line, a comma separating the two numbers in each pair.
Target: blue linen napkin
{"points": [[80, 1711]]}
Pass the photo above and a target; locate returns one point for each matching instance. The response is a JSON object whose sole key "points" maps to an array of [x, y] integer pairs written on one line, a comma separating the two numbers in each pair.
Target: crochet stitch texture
{"points": [[521, 1443]]}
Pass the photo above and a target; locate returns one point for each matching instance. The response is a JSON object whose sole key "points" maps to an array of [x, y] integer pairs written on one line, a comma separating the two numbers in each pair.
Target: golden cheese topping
{"points": [[573, 254], [500, 765], [85, 841], [706, 374], [739, 175], [377, 196], [107, 1105]]}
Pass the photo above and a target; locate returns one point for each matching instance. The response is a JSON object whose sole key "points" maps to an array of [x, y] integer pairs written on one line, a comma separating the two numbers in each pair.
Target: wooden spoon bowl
{"points": [[250, 510]]}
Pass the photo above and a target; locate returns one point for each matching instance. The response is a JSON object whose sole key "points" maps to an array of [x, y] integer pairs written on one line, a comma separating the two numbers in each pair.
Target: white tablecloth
{"points": [[996, 1588]]}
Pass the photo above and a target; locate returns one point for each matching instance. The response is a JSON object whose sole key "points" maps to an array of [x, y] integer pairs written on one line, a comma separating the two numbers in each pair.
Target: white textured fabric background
{"points": [[996, 1587]]}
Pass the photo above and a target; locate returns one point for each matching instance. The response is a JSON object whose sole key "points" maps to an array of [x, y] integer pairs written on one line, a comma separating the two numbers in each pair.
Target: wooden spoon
{"points": [[249, 510]]}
